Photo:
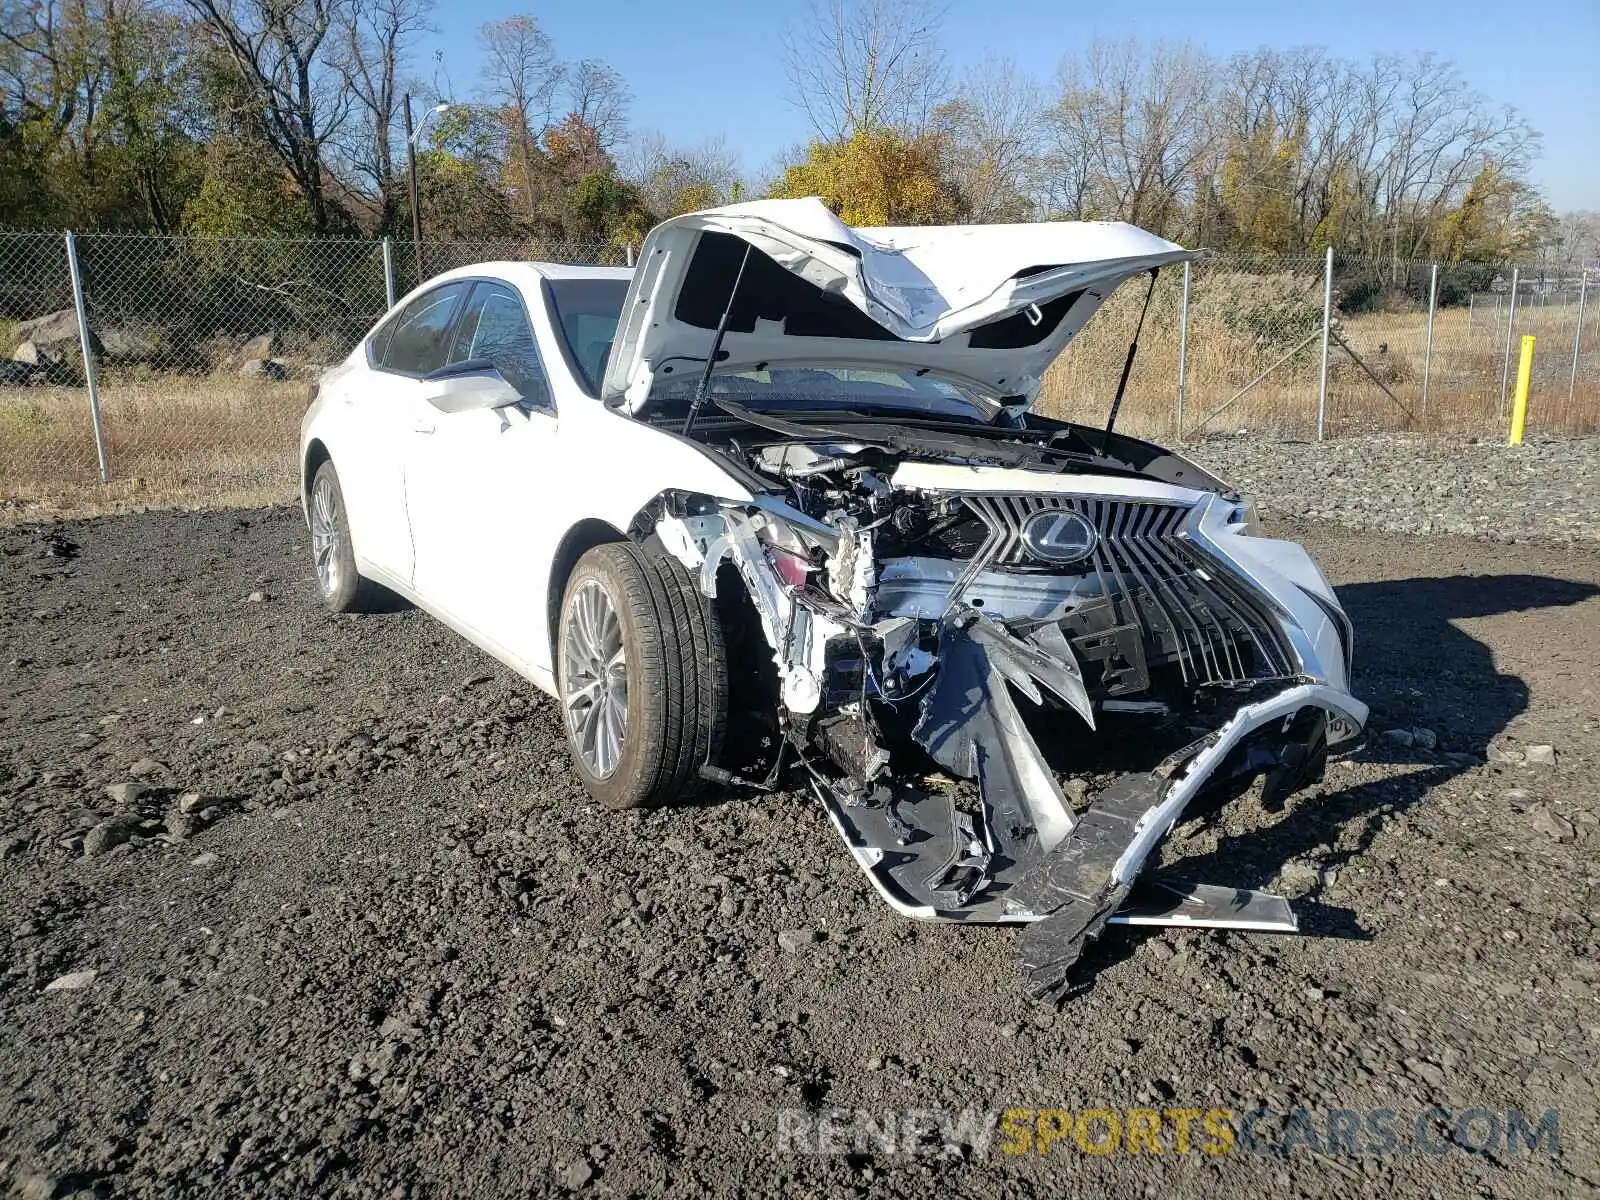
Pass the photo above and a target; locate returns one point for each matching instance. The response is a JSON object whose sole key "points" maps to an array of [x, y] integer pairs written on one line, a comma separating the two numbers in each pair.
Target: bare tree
{"points": [[1439, 135], [376, 36], [291, 91], [1576, 244], [1127, 130], [1376, 155], [521, 70], [989, 134], [860, 65], [676, 179], [599, 98], [523, 77]]}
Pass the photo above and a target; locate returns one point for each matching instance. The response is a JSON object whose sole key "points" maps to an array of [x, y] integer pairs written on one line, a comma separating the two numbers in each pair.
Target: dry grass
{"points": [[180, 441], [1463, 385], [173, 441]]}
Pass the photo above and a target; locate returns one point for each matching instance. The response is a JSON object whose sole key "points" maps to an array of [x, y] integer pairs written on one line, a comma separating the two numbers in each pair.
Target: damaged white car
{"points": [[774, 506]]}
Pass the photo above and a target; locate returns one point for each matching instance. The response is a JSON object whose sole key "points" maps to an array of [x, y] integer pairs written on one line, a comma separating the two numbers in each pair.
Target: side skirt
{"points": [[541, 677]]}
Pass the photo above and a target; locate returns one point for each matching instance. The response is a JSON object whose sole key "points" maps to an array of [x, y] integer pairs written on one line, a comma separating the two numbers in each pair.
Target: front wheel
{"points": [[333, 554], [643, 677]]}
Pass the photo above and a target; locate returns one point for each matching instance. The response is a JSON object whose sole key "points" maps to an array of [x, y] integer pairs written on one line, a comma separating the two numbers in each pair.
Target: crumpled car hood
{"points": [[991, 305]]}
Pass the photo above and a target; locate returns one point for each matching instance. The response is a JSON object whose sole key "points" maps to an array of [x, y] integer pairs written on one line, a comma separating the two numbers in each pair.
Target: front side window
{"points": [[494, 328], [418, 340]]}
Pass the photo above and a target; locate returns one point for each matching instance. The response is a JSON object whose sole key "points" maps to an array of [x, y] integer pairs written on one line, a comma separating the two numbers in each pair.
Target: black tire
{"points": [[342, 588], [676, 676]]}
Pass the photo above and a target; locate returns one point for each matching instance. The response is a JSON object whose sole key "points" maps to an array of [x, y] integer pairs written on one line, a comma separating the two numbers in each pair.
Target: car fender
{"points": [[613, 467], [616, 465]]}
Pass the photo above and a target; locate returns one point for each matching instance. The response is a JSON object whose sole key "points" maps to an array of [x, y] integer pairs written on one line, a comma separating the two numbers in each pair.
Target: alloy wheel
{"points": [[326, 534], [595, 678]]}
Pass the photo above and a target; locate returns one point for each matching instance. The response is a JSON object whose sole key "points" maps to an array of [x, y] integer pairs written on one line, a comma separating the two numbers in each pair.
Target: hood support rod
{"points": [[1127, 366], [699, 400]]}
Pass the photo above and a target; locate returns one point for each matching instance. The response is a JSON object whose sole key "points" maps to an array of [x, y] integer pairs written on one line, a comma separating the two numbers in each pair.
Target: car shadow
{"points": [[1416, 669]]}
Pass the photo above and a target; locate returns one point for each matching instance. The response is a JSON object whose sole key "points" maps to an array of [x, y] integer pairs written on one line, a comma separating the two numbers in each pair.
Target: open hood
{"points": [[990, 305]]}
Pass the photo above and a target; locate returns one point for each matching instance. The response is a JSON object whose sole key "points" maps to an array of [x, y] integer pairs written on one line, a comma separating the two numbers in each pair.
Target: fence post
{"points": [[629, 251], [91, 373], [1427, 358], [1511, 324], [1183, 348], [388, 271], [1472, 299], [1327, 321], [1577, 338]]}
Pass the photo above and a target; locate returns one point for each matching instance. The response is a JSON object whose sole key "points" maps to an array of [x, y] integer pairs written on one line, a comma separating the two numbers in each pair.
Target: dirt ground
{"points": [[387, 948]]}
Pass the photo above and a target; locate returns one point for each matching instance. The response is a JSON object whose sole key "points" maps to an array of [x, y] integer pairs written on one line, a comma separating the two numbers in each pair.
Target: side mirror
{"points": [[464, 387]]}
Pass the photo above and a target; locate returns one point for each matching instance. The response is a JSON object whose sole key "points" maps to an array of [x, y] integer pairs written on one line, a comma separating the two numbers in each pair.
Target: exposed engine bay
{"points": [[1010, 659]]}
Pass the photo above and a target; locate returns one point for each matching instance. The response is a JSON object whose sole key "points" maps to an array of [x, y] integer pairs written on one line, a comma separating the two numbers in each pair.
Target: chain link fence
{"points": [[202, 350], [1235, 344]]}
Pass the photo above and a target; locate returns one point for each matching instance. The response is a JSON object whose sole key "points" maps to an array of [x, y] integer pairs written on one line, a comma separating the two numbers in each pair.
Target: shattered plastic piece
{"points": [[1162, 901], [971, 726], [966, 872], [1048, 661], [850, 743], [1084, 882], [1078, 889]]}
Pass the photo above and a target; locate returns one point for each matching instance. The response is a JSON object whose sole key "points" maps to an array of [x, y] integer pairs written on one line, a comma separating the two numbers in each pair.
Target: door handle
{"points": [[422, 427]]}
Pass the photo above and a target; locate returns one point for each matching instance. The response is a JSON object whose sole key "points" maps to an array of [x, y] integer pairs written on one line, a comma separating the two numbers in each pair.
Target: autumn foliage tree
{"points": [[875, 177]]}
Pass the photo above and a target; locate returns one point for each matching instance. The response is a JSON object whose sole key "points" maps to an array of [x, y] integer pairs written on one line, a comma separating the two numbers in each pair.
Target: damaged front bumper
{"points": [[1183, 662], [1068, 890]]}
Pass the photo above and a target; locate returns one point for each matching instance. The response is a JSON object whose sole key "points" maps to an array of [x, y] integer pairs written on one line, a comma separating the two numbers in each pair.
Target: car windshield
{"points": [[586, 312], [811, 387]]}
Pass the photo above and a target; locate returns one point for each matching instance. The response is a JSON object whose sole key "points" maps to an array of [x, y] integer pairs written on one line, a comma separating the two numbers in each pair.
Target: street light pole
{"points": [[411, 189], [411, 172]]}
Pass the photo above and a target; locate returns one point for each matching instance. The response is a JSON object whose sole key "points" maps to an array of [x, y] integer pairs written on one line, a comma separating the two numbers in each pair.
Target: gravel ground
{"points": [[344, 921], [1547, 490]]}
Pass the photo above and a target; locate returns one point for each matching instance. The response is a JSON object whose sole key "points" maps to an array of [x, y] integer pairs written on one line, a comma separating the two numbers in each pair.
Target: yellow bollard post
{"points": [[1519, 402]]}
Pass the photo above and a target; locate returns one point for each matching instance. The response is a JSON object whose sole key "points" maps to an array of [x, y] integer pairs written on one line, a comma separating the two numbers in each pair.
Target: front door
{"points": [[477, 484], [384, 407]]}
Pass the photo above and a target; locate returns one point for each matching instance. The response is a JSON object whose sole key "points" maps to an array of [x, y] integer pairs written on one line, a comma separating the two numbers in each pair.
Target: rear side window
{"points": [[494, 328], [418, 339]]}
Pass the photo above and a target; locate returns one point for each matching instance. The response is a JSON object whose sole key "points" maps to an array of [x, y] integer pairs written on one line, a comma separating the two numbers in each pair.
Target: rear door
{"points": [[477, 486], [388, 408]]}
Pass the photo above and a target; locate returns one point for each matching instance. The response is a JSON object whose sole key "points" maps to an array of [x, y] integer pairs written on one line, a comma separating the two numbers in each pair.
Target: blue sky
{"points": [[700, 69]]}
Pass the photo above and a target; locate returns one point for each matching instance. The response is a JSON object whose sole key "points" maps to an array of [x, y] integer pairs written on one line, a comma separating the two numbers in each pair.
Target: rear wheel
{"points": [[333, 554], [643, 677]]}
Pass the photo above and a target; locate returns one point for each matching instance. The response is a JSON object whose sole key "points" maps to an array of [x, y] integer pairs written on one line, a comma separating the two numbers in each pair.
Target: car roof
{"points": [[530, 273]]}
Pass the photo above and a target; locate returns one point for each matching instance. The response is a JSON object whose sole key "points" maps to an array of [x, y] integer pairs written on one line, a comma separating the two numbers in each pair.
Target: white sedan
{"points": [[777, 501]]}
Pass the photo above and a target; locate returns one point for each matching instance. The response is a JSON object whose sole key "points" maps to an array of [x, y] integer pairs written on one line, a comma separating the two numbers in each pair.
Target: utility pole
{"points": [[411, 188]]}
